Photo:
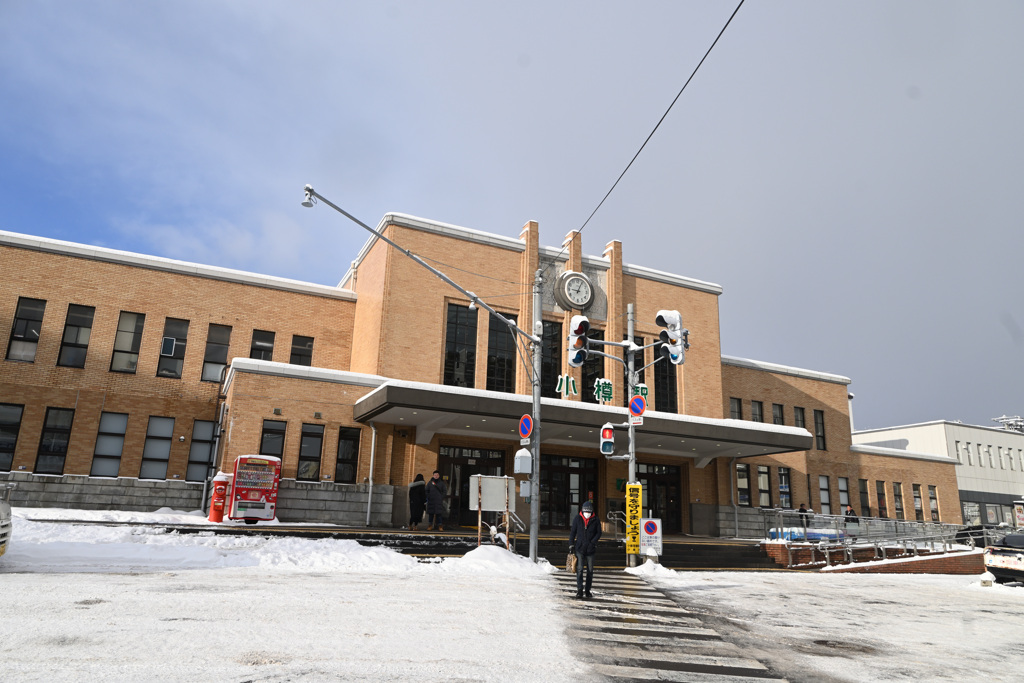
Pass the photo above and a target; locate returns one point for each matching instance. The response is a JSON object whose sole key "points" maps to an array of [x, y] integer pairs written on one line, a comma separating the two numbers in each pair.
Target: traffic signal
{"points": [[673, 337], [579, 343], [607, 439]]}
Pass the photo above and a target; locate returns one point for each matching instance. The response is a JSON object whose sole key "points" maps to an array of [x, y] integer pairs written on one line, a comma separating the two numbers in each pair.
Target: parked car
{"points": [[982, 534], [5, 517], [1006, 560]]}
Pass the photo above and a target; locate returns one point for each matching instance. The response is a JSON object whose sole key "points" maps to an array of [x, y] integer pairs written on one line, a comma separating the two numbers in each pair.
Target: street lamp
{"points": [[312, 197]]}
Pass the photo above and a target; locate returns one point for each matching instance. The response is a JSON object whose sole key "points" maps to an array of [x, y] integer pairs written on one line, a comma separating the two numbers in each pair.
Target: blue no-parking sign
{"points": [[525, 426], [650, 535]]}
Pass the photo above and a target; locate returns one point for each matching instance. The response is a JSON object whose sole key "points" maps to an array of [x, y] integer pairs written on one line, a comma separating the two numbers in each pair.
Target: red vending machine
{"points": [[254, 494]]}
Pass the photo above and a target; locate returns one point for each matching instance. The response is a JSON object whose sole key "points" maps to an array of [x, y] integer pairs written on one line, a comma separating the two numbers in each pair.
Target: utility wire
{"points": [[657, 125]]}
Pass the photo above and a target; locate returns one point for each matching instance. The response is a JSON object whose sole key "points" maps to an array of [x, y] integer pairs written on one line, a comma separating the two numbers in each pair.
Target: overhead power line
{"points": [[657, 125]]}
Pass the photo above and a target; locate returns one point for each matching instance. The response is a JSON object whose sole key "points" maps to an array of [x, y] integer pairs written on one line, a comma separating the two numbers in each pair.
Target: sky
{"points": [[848, 172], [144, 604]]}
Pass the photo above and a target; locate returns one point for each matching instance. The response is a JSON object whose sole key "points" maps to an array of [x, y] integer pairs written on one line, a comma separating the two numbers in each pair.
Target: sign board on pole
{"points": [[636, 420], [637, 405], [525, 426], [634, 501], [650, 535], [492, 494]]}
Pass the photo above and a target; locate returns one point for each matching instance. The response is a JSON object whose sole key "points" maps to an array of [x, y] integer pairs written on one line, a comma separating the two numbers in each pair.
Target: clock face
{"points": [[578, 291]]}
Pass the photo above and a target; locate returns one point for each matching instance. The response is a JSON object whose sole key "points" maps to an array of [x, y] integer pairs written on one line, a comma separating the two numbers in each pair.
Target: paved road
{"points": [[631, 631]]}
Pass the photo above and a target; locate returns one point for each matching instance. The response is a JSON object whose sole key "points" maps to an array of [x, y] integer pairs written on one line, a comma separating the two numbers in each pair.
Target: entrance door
{"points": [[457, 465], [661, 496], [564, 484]]}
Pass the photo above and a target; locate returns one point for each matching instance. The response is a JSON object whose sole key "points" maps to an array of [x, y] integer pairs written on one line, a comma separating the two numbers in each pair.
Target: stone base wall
{"points": [[808, 557], [332, 503], [80, 492]]}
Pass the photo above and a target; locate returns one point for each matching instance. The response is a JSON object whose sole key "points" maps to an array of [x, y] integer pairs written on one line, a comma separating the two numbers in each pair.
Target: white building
{"points": [[990, 461]]}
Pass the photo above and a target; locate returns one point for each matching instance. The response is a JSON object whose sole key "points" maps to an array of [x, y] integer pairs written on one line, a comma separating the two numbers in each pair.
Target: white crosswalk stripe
{"points": [[631, 631]]}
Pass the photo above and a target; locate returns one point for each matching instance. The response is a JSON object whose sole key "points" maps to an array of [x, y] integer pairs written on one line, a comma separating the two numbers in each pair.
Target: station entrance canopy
{"points": [[435, 409]]}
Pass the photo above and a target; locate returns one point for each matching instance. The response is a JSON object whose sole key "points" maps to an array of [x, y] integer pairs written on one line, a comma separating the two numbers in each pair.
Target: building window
{"points": [[933, 505], [798, 418], [959, 457], [262, 347], [664, 384], [757, 411], [106, 457], [826, 500], [918, 504], [460, 347], [844, 493], [764, 487], [819, 430], [638, 368], [10, 425], [785, 494], [551, 359], [897, 499], [127, 341], [272, 438], [736, 408], [971, 512], [157, 451], [501, 355], [310, 449], [778, 415], [172, 349], [302, 350], [970, 455], [743, 484], [991, 458], [28, 321], [75, 342], [593, 370], [883, 509], [865, 502], [348, 455], [216, 358], [200, 453], [53, 446]]}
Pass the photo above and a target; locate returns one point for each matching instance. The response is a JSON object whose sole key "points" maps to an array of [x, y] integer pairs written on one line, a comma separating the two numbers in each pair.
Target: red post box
{"points": [[221, 484], [254, 489]]}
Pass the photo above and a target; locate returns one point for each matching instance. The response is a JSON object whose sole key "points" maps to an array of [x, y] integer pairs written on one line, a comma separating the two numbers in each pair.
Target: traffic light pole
{"points": [[535, 339]]}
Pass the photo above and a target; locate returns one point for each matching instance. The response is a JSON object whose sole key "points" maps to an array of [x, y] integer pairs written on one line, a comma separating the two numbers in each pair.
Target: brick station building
{"points": [[129, 380]]}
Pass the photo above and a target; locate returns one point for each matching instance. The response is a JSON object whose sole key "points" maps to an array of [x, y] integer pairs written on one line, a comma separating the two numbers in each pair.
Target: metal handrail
{"points": [[615, 517]]}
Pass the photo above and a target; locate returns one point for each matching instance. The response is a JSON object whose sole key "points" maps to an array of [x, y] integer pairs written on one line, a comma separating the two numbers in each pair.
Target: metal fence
{"points": [[833, 538]]}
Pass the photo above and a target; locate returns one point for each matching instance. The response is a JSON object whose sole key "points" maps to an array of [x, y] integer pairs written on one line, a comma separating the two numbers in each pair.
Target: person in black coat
{"points": [[437, 490], [417, 501], [583, 537]]}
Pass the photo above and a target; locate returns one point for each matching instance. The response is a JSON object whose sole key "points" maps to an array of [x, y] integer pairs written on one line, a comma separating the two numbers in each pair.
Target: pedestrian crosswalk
{"points": [[631, 631]]}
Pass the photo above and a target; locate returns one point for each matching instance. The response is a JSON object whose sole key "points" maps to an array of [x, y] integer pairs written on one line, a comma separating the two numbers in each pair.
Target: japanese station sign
{"points": [[634, 503]]}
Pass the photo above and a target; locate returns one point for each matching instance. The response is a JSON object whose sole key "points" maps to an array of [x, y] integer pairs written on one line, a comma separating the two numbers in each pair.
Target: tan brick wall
{"points": [[838, 460], [111, 288]]}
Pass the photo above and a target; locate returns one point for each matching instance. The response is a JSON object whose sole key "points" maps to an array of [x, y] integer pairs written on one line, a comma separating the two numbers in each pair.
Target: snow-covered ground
{"points": [[828, 627], [129, 603], [121, 603]]}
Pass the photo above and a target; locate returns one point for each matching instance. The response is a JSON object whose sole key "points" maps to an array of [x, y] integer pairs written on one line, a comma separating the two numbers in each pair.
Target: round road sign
{"points": [[525, 426], [637, 405], [650, 527]]}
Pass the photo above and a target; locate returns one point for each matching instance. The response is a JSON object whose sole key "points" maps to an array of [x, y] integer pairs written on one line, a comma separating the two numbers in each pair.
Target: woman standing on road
{"points": [[436, 492], [583, 537], [417, 501]]}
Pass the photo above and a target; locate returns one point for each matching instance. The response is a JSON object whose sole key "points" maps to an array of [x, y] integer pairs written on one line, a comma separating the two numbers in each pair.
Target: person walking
{"points": [[583, 537], [437, 490], [417, 501]]}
